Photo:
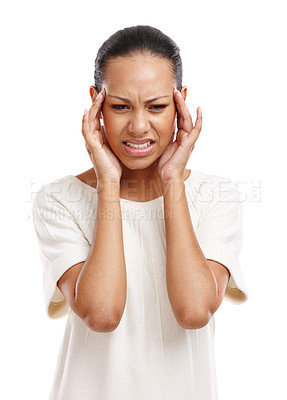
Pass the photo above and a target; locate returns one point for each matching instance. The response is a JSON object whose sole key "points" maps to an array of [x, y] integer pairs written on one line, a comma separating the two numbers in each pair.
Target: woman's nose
{"points": [[139, 123]]}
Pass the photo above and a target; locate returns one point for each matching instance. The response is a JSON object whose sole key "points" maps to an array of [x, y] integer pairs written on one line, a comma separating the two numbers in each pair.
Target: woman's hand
{"points": [[173, 161], [107, 166]]}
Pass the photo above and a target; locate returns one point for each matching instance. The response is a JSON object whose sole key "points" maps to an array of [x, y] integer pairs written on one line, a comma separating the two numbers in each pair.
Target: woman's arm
{"points": [[195, 285], [96, 289]]}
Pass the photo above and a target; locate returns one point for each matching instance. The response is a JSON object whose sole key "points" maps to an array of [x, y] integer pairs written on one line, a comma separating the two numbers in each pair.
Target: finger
{"points": [[103, 132], [184, 117], [89, 136], [85, 123], [194, 134], [99, 98], [95, 109], [198, 123]]}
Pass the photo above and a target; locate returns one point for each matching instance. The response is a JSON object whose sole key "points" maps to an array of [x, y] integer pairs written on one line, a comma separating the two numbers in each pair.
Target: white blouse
{"points": [[149, 356]]}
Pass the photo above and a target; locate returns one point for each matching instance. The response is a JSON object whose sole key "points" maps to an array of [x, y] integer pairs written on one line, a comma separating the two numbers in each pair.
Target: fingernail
{"points": [[85, 112], [98, 95]]}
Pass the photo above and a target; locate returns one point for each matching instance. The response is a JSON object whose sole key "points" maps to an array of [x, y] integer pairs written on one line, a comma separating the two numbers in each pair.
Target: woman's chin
{"points": [[138, 163]]}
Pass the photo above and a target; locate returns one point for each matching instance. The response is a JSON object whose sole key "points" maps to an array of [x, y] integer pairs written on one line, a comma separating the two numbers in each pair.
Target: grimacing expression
{"points": [[139, 104]]}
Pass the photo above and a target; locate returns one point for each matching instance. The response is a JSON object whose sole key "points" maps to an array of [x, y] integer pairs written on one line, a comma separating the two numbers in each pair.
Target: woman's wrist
{"points": [[172, 187], [109, 189]]}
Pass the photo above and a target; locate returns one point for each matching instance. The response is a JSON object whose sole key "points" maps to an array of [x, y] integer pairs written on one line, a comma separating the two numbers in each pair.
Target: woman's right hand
{"points": [[106, 164]]}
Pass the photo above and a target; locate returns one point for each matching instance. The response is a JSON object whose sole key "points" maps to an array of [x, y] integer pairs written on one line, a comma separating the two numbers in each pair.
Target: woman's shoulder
{"points": [[66, 190], [202, 176], [204, 185], [88, 177]]}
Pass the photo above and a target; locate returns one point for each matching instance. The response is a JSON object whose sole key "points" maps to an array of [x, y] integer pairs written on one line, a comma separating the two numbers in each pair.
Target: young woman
{"points": [[139, 250]]}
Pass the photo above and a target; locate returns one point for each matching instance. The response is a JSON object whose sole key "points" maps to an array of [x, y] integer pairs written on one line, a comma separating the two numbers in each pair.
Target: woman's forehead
{"points": [[140, 72]]}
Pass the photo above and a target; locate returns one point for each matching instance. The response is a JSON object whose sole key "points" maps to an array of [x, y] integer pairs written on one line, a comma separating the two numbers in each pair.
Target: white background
{"points": [[234, 55]]}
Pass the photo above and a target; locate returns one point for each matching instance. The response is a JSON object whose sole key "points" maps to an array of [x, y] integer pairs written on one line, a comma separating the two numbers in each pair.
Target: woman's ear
{"points": [[184, 92], [93, 93]]}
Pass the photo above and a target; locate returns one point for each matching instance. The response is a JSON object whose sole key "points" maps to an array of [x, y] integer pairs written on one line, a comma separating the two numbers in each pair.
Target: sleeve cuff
{"points": [[236, 291], [55, 303]]}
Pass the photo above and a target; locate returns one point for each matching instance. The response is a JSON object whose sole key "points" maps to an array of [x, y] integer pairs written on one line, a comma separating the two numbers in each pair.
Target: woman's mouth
{"points": [[143, 149]]}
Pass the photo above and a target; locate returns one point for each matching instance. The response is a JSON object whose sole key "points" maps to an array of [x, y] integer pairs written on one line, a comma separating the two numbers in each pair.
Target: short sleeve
{"points": [[61, 244], [219, 233]]}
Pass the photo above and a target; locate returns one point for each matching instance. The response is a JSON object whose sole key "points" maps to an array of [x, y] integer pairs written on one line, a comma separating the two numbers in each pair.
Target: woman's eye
{"points": [[158, 107], [119, 106]]}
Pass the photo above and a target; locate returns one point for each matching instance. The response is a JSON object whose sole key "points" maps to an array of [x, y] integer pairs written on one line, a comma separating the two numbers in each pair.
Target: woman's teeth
{"points": [[138, 146]]}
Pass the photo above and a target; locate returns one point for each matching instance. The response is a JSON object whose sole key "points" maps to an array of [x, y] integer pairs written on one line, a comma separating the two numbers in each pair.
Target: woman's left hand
{"points": [[173, 160]]}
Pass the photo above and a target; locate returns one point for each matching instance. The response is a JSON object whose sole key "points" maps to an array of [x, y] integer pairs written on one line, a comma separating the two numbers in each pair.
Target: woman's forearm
{"points": [[101, 285], [191, 284]]}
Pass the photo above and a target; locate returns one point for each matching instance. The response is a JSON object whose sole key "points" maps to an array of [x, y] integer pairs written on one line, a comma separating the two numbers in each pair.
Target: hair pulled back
{"points": [[138, 39]]}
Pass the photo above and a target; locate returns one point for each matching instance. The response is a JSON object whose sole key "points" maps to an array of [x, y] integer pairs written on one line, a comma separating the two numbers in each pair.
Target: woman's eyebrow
{"points": [[129, 101]]}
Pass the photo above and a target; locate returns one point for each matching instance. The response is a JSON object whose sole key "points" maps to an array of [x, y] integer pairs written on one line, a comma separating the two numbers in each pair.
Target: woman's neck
{"points": [[140, 185]]}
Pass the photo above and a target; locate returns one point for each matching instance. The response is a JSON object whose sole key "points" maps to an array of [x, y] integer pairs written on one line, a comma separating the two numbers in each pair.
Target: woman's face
{"points": [[139, 105]]}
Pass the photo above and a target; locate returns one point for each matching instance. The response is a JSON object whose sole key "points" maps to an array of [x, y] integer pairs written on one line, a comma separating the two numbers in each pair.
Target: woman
{"points": [[139, 250]]}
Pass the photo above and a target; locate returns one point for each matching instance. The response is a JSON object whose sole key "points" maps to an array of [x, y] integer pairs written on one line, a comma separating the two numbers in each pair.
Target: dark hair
{"points": [[138, 39]]}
